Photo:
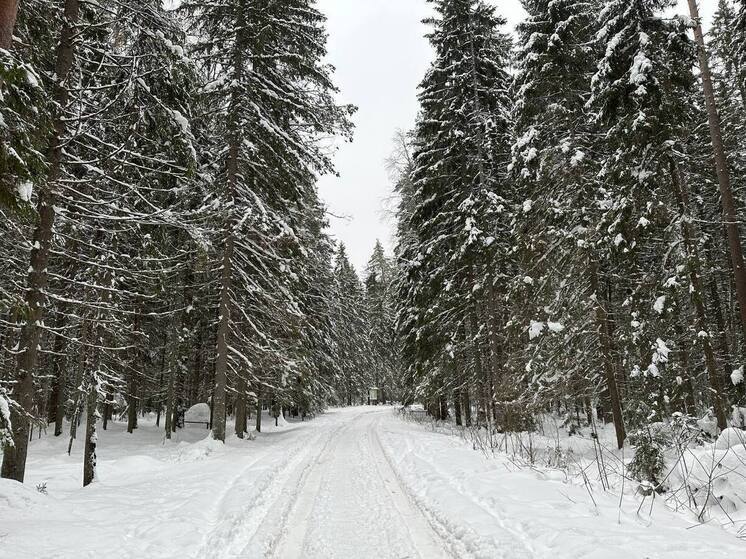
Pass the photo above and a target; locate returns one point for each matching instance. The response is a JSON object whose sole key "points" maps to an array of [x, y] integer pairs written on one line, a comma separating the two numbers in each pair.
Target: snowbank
{"points": [[730, 438], [497, 507], [17, 496], [195, 452]]}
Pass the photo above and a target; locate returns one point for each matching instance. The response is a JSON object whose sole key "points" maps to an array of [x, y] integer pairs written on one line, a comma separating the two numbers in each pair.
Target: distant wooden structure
{"points": [[374, 395]]}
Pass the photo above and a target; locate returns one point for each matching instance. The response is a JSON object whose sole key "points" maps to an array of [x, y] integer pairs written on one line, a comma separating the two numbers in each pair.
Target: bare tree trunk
{"points": [[697, 295], [721, 167], [221, 365], [467, 406], [75, 418], [259, 411], [240, 424], [91, 437], [457, 406], [8, 13], [59, 372], [169, 423], [602, 327], [172, 357], [226, 284], [107, 408], [14, 458]]}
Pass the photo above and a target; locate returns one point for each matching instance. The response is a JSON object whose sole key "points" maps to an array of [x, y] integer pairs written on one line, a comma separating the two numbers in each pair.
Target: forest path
{"points": [[354, 483], [351, 504]]}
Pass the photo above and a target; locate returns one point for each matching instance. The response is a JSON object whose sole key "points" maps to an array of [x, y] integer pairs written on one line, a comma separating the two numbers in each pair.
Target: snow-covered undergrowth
{"points": [[702, 478]]}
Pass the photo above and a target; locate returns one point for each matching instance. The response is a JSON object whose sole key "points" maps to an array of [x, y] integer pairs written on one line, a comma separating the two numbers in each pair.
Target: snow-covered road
{"points": [[354, 483]]}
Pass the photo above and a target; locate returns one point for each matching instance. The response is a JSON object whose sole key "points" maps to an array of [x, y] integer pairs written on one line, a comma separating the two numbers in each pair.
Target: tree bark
{"points": [[59, 371], [466, 400], [14, 458], [8, 13], [221, 365], [721, 167], [602, 327], [258, 411], [169, 423], [457, 407], [172, 360], [697, 295], [91, 437], [240, 424]]}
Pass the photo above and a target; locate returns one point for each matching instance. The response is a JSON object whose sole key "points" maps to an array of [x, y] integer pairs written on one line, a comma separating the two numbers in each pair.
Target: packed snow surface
{"points": [[353, 483]]}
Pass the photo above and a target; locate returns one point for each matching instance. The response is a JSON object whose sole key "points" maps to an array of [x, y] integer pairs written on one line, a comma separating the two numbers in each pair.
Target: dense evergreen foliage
{"points": [[162, 236], [561, 239], [569, 221]]}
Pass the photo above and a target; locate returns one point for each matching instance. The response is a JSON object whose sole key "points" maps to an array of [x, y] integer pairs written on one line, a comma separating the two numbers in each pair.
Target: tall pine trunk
{"points": [[14, 458], [602, 328], [91, 437], [697, 294], [721, 167], [259, 411], [226, 282], [8, 13], [172, 350], [240, 424]]}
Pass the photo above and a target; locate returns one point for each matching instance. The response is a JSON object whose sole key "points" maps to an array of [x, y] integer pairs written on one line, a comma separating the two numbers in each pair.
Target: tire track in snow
{"points": [[515, 546], [232, 535], [291, 537], [429, 541], [422, 539]]}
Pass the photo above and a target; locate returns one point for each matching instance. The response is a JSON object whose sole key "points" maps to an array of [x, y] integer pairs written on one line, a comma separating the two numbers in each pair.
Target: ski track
{"points": [[338, 494], [464, 542], [249, 500], [354, 454]]}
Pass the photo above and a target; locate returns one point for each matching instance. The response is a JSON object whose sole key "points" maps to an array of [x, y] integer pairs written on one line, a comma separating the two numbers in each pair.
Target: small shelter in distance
{"points": [[373, 396]]}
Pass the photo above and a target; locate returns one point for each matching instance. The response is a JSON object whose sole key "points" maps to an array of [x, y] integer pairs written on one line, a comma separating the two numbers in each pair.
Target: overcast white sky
{"points": [[381, 56]]}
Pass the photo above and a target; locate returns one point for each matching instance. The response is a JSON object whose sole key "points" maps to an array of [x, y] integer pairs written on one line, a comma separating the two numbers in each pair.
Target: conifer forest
{"points": [[544, 359]]}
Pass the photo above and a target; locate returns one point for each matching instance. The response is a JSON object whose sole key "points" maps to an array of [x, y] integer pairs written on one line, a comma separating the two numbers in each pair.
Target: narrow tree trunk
{"points": [[457, 407], [602, 328], [75, 419], [721, 167], [697, 294], [170, 394], [171, 357], [258, 411], [8, 13], [14, 457], [60, 378], [240, 422], [108, 406], [91, 437], [221, 366], [443, 405], [132, 402], [467, 406]]}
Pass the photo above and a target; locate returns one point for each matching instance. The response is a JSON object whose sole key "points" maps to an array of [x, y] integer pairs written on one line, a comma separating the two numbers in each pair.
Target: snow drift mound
{"points": [[730, 438], [14, 495], [198, 451]]}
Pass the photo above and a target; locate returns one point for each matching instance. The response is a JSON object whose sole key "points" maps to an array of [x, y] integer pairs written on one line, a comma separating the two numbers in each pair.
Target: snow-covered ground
{"points": [[353, 483]]}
